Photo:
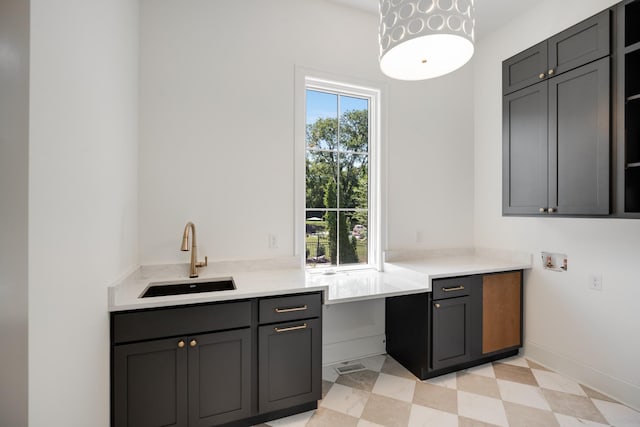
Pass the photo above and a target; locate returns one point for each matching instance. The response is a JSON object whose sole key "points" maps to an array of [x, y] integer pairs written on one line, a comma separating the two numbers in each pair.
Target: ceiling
{"points": [[490, 14]]}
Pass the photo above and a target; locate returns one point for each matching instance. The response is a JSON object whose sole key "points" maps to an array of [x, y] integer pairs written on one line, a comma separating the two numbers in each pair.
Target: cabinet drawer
{"points": [[453, 287], [282, 309], [168, 322]]}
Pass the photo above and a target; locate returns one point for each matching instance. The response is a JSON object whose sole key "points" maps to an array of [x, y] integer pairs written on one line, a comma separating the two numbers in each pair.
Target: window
{"points": [[340, 175]]}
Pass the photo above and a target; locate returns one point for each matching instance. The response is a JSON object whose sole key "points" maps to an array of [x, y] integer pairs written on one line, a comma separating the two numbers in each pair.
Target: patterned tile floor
{"points": [[514, 392]]}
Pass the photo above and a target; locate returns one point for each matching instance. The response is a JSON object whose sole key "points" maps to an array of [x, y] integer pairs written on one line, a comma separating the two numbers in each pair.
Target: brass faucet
{"points": [[193, 267]]}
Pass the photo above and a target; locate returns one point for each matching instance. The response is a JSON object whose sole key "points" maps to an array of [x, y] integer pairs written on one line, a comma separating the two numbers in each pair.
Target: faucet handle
{"points": [[203, 264]]}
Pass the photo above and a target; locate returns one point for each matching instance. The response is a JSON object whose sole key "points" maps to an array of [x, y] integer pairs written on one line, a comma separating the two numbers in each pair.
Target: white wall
{"points": [[82, 199], [14, 146], [217, 127], [591, 336]]}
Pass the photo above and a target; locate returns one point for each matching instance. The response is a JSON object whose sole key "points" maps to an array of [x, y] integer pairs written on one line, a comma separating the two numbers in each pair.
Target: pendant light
{"points": [[422, 39]]}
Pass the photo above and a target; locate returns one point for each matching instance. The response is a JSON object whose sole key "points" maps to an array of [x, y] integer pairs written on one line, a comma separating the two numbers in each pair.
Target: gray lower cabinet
{"points": [[451, 332], [464, 321], [150, 384], [289, 364], [237, 363], [219, 377], [201, 380]]}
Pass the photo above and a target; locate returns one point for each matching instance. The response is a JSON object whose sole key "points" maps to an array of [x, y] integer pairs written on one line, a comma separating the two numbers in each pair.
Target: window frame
{"points": [[314, 80]]}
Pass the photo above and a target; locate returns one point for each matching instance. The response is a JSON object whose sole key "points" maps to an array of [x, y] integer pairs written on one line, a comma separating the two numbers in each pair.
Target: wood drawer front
{"points": [[168, 322], [451, 288], [283, 309]]}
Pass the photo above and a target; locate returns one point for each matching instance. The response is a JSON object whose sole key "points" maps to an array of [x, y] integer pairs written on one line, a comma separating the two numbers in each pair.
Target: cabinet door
{"points": [[579, 140], [451, 332], [219, 377], [525, 68], [583, 43], [524, 151], [501, 311], [289, 364], [150, 384]]}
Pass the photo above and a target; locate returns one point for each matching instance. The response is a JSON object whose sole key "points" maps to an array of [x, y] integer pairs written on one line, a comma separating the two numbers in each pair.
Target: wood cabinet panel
{"points": [[501, 311]]}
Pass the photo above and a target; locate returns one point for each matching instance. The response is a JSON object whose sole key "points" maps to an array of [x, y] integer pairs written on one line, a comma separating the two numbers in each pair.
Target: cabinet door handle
{"points": [[292, 328], [193, 343], [456, 288], [289, 310], [542, 210], [551, 71], [181, 344], [437, 305], [551, 210], [541, 75]]}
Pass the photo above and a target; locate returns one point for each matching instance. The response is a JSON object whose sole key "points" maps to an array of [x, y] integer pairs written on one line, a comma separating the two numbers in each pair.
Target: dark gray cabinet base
{"points": [[235, 363], [435, 333]]}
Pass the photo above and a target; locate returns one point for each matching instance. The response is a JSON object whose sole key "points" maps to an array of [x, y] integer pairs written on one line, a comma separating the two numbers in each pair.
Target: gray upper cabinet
{"points": [[579, 138], [583, 43], [525, 68], [525, 151], [556, 124]]}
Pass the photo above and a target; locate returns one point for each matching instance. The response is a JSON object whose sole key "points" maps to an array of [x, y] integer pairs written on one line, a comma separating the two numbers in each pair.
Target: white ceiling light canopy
{"points": [[422, 39]]}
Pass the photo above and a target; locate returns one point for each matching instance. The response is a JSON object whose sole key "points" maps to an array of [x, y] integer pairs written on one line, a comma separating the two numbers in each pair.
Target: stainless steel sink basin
{"points": [[164, 289]]}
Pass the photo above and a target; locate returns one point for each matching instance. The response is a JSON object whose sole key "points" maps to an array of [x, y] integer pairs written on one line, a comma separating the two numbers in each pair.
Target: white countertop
{"points": [[402, 277]]}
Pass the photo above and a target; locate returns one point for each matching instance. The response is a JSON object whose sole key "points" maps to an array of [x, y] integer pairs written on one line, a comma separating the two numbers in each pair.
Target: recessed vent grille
{"points": [[350, 368]]}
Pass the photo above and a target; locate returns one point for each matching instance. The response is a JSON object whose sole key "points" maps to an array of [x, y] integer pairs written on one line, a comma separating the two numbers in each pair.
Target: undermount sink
{"points": [[164, 289]]}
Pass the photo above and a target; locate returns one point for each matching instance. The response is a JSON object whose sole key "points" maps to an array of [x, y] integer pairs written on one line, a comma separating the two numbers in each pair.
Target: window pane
{"points": [[322, 120], [357, 225], [347, 242], [354, 124], [318, 252], [321, 175], [354, 181]]}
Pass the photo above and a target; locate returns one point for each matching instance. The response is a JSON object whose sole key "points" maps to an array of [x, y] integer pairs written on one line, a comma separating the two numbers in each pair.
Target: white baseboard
{"points": [[616, 388], [353, 349]]}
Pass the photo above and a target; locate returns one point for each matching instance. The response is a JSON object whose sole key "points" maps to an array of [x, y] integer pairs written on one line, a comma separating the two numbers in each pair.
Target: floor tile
{"points": [[365, 423], [596, 394], [573, 405], [448, 381], [526, 416], [468, 422], [485, 370], [567, 421], [478, 385], [523, 394], [326, 386], [386, 411], [297, 420], [514, 373], [394, 387], [392, 367], [436, 397], [481, 408], [374, 363], [553, 381], [516, 361], [325, 417], [429, 417], [534, 365], [362, 380], [346, 400], [617, 414], [329, 373]]}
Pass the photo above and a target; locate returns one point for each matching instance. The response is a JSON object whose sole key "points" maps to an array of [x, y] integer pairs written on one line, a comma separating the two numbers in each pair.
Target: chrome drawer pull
{"points": [[457, 288], [289, 310], [292, 328]]}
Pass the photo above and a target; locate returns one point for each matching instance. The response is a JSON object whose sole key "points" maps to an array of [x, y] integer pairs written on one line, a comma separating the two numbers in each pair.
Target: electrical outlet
{"points": [[595, 282], [273, 241]]}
